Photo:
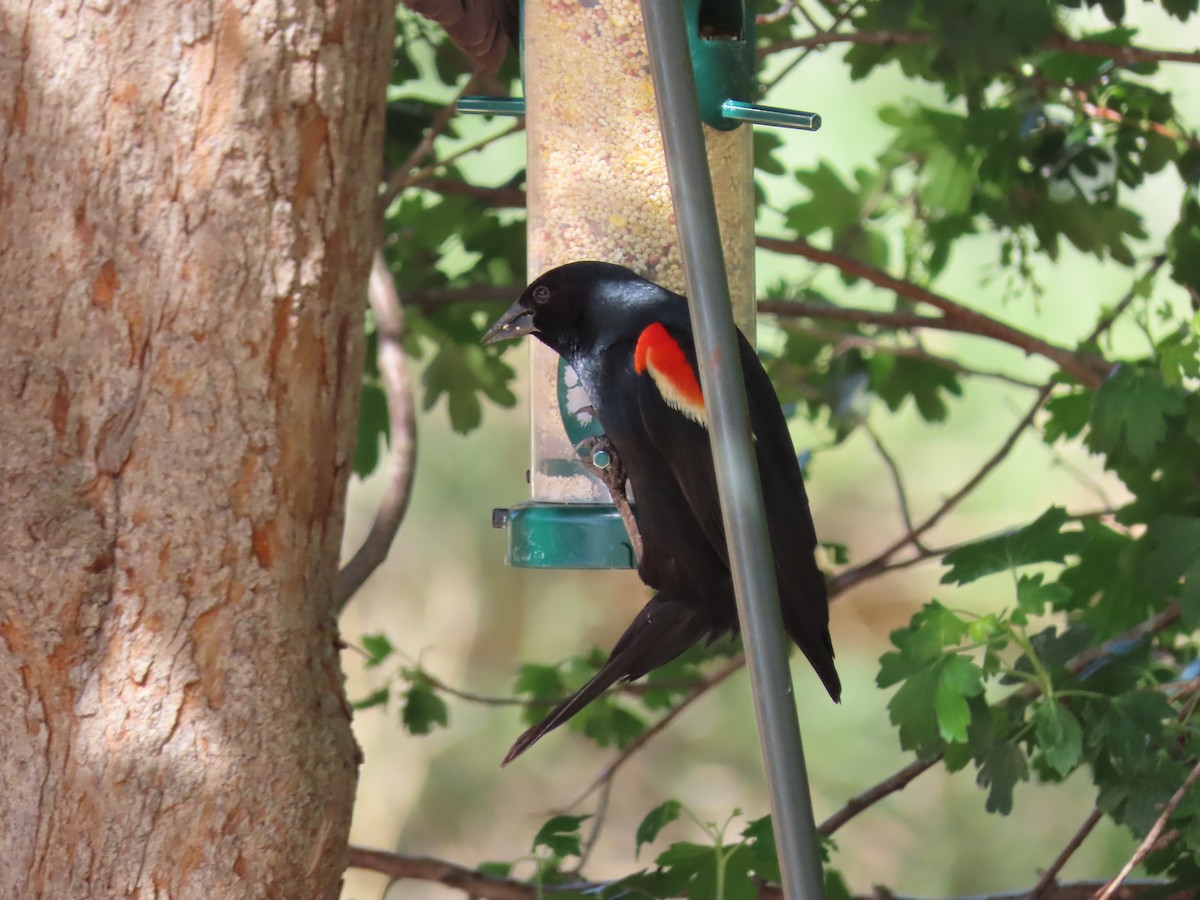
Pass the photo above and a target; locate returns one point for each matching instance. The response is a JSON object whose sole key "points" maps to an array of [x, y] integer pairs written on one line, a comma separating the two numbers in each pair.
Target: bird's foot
{"points": [[601, 458]]}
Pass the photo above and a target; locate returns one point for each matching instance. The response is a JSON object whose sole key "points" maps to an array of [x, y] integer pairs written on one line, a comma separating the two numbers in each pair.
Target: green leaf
{"points": [[372, 424], [496, 869], [1181, 9], [1068, 415], [999, 771], [894, 378], [949, 181], [760, 849], [922, 642], [561, 835], [654, 822], [913, 711], [836, 887], [1040, 541], [832, 204], [540, 683], [1059, 735], [462, 372], [376, 698], [1130, 412], [1033, 596], [1184, 246], [378, 649], [958, 679], [609, 724], [686, 860], [765, 147], [1176, 554], [423, 708]]}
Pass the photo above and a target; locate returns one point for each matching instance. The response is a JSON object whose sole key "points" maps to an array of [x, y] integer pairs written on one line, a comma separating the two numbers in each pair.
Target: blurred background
{"points": [[445, 597]]}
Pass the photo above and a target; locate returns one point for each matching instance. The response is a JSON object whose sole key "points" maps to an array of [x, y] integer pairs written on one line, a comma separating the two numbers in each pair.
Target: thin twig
{"points": [[873, 566], [429, 298], [1151, 840], [1051, 874], [597, 824], [1107, 321], [500, 197], [842, 341], [1119, 54], [607, 773], [426, 868], [1089, 371], [401, 176], [482, 886], [842, 17], [782, 11], [897, 482], [402, 432], [481, 144], [869, 798]]}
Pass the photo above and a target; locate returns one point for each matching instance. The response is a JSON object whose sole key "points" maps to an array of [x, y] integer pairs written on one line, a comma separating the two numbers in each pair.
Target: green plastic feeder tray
{"points": [[565, 536]]}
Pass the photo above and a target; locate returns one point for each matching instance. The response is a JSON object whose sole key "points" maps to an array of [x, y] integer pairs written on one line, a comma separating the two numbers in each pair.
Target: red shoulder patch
{"points": [[659, 355]]}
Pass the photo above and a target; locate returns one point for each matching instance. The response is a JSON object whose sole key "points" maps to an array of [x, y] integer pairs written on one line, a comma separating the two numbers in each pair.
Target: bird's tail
{"points": [[810, 633], [806, 620], [661, 631]]}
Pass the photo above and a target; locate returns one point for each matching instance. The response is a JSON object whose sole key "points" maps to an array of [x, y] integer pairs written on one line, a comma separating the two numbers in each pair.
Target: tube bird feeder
{"points": [[597, 188]]}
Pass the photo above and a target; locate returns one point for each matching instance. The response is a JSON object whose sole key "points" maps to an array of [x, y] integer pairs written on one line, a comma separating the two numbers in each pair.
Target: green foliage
{"points": [[1036, 148], [561, 836], [422, 709]]}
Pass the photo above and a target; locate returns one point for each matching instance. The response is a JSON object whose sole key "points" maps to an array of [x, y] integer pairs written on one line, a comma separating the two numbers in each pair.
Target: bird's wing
{"points": [[676, 421]]}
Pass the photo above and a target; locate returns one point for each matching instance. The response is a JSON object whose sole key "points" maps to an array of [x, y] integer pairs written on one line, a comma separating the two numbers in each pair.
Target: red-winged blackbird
{"points": [[631, 343]]}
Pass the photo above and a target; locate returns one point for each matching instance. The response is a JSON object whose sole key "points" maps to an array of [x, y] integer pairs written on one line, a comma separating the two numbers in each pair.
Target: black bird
{"points": [[631, 343]]}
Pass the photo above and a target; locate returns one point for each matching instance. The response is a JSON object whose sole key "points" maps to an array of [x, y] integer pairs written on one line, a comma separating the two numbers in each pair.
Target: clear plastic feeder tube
{"points": [[597, 189]]}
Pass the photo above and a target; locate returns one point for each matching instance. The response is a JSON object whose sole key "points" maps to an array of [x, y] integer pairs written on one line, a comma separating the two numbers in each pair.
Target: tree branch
{"points": [[782, 11], [472, 882], [842, 342], [799, 309], [401, 176], [869, 798], [897, 481], [1090, 372], [1048, 877], [502, 196], [482, 886], [873, 566], [654, 730], [1119, 54], [1152, 837], [402, 433]]}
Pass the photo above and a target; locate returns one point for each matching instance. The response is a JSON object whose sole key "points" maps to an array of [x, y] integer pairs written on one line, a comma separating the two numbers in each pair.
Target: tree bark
{"points": [[186, 226]]}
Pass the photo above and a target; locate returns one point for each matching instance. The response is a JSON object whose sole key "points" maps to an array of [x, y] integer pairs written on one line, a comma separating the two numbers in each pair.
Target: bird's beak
{"points": [[514, 323]]}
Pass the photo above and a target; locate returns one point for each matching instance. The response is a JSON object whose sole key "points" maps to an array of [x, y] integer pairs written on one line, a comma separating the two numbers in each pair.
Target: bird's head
{"points": [[574, 307]]}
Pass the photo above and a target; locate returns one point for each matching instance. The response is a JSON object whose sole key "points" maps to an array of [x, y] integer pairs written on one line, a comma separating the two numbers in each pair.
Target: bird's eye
{"points": [[541, 293]]}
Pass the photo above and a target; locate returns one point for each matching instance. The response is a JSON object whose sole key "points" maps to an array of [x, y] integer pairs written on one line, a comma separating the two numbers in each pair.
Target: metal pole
{"points": [[733, 453]]}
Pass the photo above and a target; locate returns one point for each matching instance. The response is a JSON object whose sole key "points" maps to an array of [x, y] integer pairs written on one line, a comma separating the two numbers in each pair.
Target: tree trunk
{"points": [[186, 224]]}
